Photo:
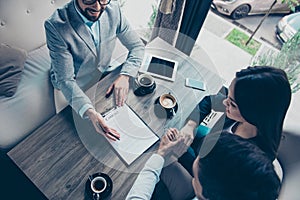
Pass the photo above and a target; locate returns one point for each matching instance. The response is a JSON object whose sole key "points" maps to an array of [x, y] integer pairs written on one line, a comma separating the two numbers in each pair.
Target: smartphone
{"points": [[193, 83]]}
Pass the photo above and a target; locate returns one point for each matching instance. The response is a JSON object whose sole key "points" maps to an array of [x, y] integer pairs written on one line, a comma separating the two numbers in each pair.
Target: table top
{"points": [[59, 156]]}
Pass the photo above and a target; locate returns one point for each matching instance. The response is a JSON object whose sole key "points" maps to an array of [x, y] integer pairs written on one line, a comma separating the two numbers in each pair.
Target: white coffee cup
{"points": [[167, 101], [98, 184]]}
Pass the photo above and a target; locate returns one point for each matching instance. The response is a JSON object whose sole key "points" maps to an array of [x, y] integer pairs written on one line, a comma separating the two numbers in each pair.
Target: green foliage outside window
{"points": [[152, 18], [239, 39], [288, 59], [292, 4]]}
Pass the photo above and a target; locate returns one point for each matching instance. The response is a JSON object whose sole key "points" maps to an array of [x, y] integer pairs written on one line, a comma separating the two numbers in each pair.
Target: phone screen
{"points": [[195, 84]]}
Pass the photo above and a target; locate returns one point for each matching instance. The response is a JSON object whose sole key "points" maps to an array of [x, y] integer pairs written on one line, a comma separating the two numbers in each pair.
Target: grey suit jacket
{"points": [[75, 61]]}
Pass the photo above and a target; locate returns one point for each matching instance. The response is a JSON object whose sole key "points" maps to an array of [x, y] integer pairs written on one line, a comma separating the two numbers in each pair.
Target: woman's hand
{"points": [[188, 131], [173, 134], [167, 146]]}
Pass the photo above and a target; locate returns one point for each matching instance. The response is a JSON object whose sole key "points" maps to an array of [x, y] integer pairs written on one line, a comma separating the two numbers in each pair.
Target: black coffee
{"points": [[145, 81], [99, 185]]}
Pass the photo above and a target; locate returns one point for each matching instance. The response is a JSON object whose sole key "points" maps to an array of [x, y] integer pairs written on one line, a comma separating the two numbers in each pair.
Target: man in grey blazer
{"points": [[81, 37]]}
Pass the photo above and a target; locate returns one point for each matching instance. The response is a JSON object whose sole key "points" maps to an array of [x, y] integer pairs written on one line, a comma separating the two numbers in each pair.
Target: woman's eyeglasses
{"points": [[101, 2], [231, 102]]}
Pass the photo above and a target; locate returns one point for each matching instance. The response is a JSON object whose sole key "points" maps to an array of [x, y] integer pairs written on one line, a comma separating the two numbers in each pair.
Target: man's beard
{"points": [[91, 17]]}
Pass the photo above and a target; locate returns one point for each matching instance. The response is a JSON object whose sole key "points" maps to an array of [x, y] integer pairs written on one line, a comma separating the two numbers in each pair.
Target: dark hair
{"points": [[263, 95], [237, 169]]}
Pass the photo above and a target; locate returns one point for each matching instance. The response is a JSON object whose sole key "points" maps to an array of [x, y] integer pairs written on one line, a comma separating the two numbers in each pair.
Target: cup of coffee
{"points": [[98, 186], [145, 84], [169, 103]]}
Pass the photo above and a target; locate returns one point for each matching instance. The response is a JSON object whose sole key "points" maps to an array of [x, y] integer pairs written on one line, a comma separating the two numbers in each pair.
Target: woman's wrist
{"points": [[189, 128], [191, 124], [159, 152]]}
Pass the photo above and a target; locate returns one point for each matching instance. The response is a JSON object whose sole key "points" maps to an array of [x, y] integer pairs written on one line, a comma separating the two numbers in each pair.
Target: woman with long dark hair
{"points": [[233, 163], [256, 105]]}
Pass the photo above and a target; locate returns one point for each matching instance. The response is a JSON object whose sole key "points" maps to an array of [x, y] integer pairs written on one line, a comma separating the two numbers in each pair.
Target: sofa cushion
{"points": [[12, 62], [33, 103]]}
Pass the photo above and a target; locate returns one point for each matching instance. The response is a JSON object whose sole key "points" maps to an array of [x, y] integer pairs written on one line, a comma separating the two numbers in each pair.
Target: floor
{"points": [[15, 185]]}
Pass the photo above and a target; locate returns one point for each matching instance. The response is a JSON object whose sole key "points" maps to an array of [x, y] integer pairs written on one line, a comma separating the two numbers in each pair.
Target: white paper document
{"points": [[135, 136]]}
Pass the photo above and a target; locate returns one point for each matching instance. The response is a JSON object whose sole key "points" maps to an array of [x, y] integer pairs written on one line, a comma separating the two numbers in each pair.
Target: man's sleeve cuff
{"points": [[131, 70], [83, 109], [155, 162], [125, 73]]}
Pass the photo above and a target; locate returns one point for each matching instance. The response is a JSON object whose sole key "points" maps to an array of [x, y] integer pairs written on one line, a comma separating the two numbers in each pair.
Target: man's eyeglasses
{"points": [[101, 2]]}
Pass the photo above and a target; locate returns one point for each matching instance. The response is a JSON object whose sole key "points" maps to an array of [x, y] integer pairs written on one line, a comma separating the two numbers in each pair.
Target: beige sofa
{"points": [[34, 102], [22, 26]]}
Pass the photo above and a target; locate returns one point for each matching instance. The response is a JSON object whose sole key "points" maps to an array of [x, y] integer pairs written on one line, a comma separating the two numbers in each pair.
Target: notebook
{"points": [[135, 136]]}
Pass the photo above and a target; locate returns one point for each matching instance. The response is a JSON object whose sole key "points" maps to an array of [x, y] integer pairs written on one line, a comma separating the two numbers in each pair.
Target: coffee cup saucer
{"points": [[105, 194], [161, 112], [142, 91]]}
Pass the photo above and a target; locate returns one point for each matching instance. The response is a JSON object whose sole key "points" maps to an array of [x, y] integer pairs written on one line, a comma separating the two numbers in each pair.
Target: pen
{"points": [[109, 133], [110, 92]]}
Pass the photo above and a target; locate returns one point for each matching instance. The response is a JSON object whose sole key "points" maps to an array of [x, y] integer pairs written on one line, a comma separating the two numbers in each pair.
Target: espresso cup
{"points": [[145, 84], [98, 185], [145, 80]]}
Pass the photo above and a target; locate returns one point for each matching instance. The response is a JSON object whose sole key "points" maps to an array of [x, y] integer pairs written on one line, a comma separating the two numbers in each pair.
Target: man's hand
{"points": [[120, 87], [170, 143], [173, 134], [100, 125]]}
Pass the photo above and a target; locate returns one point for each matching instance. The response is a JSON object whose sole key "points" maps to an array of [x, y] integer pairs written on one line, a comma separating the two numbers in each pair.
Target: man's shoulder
{"points": [[113, 8], [60, 14], [114, 5]]}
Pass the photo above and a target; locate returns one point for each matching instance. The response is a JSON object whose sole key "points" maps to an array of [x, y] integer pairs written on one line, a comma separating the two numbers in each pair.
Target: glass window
{"points": [[141, 15]]}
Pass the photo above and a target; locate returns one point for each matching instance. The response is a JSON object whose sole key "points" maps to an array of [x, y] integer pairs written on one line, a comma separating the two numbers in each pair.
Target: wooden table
{"points": [[59, 156]]}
